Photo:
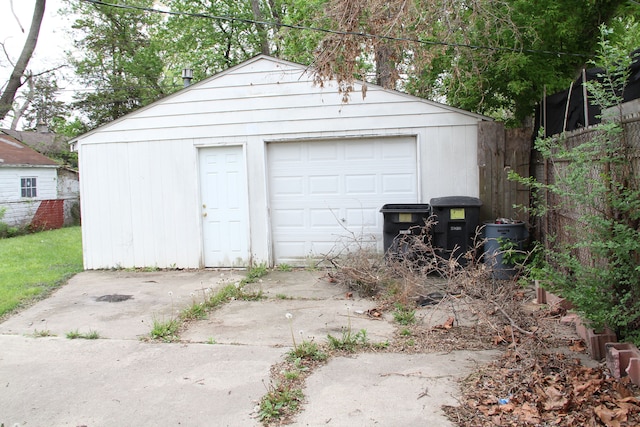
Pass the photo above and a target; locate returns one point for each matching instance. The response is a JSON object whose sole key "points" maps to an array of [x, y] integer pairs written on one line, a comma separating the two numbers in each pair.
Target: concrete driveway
{"points": [[219, 371]]}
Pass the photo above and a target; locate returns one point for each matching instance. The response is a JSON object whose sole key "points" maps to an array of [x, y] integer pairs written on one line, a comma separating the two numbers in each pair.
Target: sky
{"points": [[52, 41]]}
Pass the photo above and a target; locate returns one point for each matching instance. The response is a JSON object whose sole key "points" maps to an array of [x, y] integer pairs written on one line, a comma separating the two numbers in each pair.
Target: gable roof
{"points": [[302, 69], [15, 153]]}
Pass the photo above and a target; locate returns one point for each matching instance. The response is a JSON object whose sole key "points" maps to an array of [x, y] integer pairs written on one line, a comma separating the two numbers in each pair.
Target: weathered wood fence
{"points": [[499, 151]]}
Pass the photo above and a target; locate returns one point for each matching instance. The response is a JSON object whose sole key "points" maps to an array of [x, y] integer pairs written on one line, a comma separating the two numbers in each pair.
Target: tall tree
{"points": [[489, 56], [222, 35], [16, 80], [120, 63], [43, 107], [227, 32]]}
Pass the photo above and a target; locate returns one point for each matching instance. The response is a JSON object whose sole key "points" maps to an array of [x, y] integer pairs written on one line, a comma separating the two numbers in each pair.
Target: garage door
{"points": [[323, 193]]}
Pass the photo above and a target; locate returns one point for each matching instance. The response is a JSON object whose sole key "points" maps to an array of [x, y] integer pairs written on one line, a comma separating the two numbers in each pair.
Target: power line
{"points": [[330, 31]]}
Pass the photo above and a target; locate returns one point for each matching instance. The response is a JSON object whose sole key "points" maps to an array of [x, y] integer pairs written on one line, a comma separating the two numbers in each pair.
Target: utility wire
{"points": [[330, 31]]}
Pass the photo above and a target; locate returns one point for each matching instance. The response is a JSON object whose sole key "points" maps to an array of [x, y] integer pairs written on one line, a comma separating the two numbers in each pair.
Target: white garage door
{"points": [[322, 191]]}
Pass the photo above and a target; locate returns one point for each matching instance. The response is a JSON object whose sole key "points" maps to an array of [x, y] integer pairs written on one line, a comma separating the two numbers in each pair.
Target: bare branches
{"points": [[15, 81], [16, 16]]}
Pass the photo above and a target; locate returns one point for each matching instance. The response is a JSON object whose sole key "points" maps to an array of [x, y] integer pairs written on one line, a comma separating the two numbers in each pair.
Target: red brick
{"points": [[633, 370], [50, 215], [618, 356], [595, 340], [545, 297]]}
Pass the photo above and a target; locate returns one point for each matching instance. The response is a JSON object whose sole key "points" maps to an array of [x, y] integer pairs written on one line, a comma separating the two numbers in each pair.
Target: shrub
{"points": [[595, 263]]}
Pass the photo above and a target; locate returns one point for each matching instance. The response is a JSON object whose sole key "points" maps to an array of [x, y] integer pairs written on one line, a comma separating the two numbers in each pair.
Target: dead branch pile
{"points": [[533, 383]]}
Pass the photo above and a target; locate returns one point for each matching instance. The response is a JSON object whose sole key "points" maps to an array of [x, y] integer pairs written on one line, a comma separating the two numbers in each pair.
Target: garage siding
{"points": [[140, 181]]}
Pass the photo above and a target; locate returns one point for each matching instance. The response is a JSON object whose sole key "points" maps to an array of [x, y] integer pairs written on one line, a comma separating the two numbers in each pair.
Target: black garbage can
{"points": [[500, 237], [457, 220], [401, 220]]}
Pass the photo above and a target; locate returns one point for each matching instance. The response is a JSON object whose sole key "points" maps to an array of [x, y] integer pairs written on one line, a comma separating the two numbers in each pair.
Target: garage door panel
{"points": [[322, 152], [335, 191], [291, 250], [363, 217], [291, 185], [325, 218], [288, 218], [324, 185], [398, 184], [359, 151], [286, 153], [360, 184]]}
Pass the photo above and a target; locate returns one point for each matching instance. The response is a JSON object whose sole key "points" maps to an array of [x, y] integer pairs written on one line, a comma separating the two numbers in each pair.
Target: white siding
{"points": [[139, 174], [20, 210], [139, 205]]}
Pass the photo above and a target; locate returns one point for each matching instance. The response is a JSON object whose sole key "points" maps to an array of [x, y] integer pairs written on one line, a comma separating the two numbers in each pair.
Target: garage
{"points": [[258, 164], [323, 194]]}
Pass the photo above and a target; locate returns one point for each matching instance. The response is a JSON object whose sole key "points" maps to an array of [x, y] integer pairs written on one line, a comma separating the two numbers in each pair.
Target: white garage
{"points": [[320, 191], [258, 164]]}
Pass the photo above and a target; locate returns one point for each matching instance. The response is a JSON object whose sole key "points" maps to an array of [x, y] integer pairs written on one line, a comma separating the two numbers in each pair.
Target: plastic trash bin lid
{"points": [[455, 201], [406, 207]]}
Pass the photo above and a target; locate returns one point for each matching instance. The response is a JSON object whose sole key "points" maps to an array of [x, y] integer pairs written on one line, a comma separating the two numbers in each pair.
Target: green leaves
{"points": [[593, 261]]}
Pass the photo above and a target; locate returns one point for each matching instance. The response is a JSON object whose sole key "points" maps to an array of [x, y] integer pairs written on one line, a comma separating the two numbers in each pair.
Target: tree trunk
{"points": [[385, 66], [15, 81], [262, 33], [17, 115]]}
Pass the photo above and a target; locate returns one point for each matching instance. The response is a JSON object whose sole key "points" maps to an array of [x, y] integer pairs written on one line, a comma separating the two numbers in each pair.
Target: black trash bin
{"points": [[457, 220], [499, 237], [401, 220]]}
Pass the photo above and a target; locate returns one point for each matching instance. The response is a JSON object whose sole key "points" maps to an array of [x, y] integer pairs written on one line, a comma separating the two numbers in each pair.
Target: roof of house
{"points": [[44, 142], [303, 69], [15, 153]]}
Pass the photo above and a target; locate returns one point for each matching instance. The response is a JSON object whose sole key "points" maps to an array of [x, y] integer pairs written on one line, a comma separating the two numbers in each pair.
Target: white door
{"points": [[224, 207], [325, 194]]}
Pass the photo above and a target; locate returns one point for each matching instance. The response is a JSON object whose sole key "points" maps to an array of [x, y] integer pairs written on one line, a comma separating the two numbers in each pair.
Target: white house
{"points": [[258, 164], [28, 186]]}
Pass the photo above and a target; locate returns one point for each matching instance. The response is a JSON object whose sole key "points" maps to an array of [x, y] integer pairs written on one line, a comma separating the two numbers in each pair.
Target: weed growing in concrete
{"points": [[91, 335], [250, 296], [283, 296], [284, 267], [211, 340], [254, 273], [42, 333], [291, 375], [404, 315], [307, 350], [165, 330], [349, 341], [278, 401], [197, 310]]}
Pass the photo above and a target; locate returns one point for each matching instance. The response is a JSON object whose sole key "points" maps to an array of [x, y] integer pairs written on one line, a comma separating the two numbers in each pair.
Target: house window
{"points": [[28, 187]]}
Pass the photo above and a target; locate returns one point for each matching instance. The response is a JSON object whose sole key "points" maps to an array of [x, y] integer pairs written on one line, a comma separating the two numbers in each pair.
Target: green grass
{"points": [[35, 264]]}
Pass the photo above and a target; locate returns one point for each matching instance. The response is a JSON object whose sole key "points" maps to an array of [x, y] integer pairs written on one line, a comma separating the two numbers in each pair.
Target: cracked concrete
{"points": [[121, 380]]}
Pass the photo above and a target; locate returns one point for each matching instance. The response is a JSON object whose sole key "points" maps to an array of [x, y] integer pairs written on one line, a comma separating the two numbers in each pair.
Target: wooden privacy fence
{"points": [[499, 151]]}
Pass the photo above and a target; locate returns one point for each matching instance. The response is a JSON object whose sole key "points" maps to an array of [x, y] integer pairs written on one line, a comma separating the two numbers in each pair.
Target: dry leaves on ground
{"points": [[549, 390]]}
